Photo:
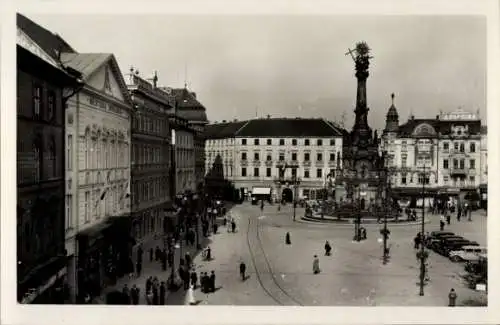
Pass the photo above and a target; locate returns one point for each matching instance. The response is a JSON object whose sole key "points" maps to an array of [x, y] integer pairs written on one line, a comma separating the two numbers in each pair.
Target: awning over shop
{"points": [[261, 191]]}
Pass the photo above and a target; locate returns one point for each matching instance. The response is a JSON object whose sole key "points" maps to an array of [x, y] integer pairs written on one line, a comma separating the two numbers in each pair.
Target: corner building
{"points": [[449, 146], [150, 160], [253, 152], [97, 175]]}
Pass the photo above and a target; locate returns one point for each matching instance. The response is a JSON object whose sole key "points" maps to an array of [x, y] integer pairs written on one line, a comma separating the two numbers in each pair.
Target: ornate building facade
{"points": [[150, 160], [41, 81], [255, 152], [98, 123], [449, 146]]}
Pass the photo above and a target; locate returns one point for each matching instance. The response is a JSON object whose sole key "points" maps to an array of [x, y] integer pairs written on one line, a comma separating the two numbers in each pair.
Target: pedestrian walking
{"points": [[459, 213], [233, 226], [448, 219], [135, 294], [126, 294], [452, 298], [316, 269], [416, 241], [194, 279], [187, 258], [215, 228], [163, 291], [243, 269], [206, 283], [156, 294], [209, 253], [149, 283], [441, 223], [328, 248], [190, 296], [138, 268], [212, 281], [287, 238]]}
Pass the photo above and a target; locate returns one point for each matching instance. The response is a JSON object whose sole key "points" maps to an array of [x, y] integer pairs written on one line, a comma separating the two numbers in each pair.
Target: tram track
{"points": [[258, 255]]}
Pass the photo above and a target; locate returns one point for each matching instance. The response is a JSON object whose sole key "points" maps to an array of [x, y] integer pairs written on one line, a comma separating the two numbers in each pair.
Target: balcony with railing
{"points": [[269, 163]]}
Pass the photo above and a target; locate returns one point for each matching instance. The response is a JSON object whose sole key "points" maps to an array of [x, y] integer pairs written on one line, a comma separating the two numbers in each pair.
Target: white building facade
{"points": [[97, 163], [442, 155], [269, 154]]}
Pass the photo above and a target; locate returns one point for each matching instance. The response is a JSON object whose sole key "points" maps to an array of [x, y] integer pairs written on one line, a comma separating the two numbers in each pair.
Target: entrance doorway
{"points": [[287, 195]]}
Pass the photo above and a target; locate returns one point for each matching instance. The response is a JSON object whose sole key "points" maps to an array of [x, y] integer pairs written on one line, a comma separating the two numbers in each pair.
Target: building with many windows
{"points": [[150, 160], [443, 153], [42, 81], [97, 174], [183, 137], [190, 109], [267, 155]]}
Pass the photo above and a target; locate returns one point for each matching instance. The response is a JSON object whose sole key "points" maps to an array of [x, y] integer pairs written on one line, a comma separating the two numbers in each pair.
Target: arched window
{"points": [[37, 158]]}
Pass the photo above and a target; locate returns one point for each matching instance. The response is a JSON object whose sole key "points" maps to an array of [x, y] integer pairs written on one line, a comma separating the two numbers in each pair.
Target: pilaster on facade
{"points": [[150, 160]]}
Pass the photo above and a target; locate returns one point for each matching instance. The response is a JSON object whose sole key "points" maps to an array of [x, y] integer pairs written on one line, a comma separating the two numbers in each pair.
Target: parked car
{"points": [[467, 253], [454, 244], [436, 235], [434, 242]]}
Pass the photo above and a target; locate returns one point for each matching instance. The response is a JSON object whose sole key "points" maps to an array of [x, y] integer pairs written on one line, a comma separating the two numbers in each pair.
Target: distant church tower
{"points": [[392, 119]]}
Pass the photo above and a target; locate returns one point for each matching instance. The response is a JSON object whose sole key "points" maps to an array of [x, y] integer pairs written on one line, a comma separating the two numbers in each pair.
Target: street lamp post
{"points": [[423, 253]]}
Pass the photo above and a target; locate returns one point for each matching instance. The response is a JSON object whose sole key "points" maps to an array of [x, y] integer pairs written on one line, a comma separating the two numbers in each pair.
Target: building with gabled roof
{"points": [[267, 155]]}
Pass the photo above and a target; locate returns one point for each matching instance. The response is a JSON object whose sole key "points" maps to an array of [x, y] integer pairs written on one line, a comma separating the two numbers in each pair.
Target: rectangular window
{"points": [[37, 101], [445, 179], [294, 172], [87, 207], [244, 172], [455, 163], [306, 173], [269, 157], [69, 153], [256, 156], [294, 142], [256, 142], [319, 157], [307, 156], [472, 147], [282, 156], [403, 179], [320, 142], [244, 142], [446, 146], [51, 105], [472, 164], [282, 142], [294, 156], [256, 172], [69, 216], [332, 142], [456, 145], [462, 147], [332, 156], [472, 180], [243, 156], [319, 173], [269, 142], [306, 142], [462, 163], [445, 164], [268, 172], [403, 161]]}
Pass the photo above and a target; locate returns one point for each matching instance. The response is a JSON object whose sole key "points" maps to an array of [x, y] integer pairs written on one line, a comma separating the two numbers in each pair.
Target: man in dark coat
{"points": [[233, 226], [134, 294], [157, 253], [138, 268], [187, 258], [194, 279], [149, 284], [206, 283], [126, 294], [212, 281], [163, 291], [156, 295], [164, 259], [170, 258], [243, 269]]}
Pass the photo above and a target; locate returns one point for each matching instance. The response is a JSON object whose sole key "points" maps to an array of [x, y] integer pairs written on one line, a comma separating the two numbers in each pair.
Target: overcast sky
{"points": [[296, 65]]}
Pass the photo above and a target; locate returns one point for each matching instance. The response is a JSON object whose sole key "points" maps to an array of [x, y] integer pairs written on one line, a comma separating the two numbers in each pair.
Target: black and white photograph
{"points": [[266, 160]]}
